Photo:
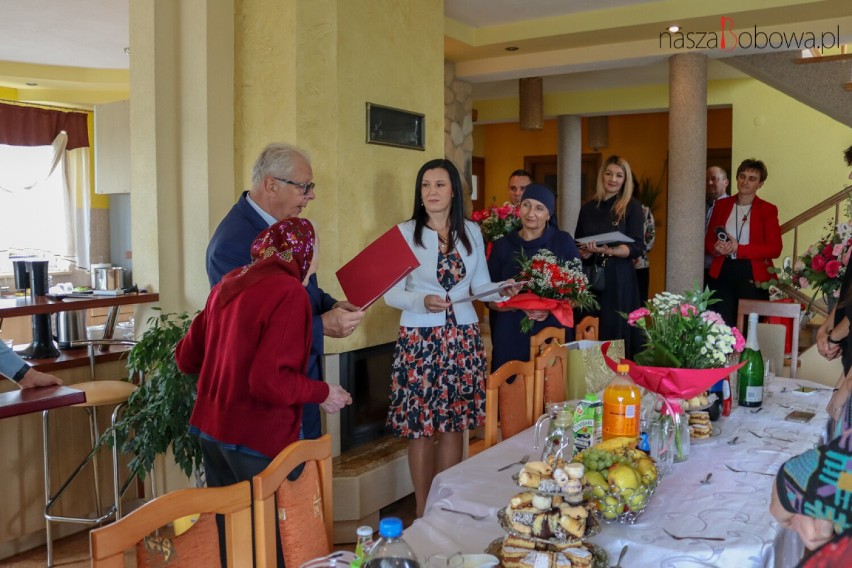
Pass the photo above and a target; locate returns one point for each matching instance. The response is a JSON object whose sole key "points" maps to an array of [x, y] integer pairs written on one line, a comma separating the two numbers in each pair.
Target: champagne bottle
{"points": [[750, 375]]}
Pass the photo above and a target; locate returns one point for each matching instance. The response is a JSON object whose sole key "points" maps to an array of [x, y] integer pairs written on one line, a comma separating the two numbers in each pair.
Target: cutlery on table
{"points": [[756, 410], [471, 515], [749, 471], [716, 538], [733, 442], [522, 461], [621, 556], [706, 480]]}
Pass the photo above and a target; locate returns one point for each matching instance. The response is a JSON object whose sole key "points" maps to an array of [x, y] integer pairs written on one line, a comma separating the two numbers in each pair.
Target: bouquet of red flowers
{"points": [[495, 222], [551, 285]]}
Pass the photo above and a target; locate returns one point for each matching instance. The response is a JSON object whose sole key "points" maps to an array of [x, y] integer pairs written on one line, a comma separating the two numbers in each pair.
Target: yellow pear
{"points": [[623, 477]]}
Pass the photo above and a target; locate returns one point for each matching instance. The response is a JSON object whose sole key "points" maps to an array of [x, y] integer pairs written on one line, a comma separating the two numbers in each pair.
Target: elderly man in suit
{"points": [[282, 186]]}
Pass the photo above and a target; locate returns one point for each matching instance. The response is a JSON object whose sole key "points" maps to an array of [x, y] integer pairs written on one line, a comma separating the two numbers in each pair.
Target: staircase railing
{"points": [[794, 224]]}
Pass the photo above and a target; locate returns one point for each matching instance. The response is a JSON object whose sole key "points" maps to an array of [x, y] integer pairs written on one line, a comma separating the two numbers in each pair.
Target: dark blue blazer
{"points": [[230, 248]]}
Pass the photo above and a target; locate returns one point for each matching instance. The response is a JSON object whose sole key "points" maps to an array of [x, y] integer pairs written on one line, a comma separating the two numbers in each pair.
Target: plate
{"points": [[715, 432], [599, 554], [593, 528], [711, 398]]}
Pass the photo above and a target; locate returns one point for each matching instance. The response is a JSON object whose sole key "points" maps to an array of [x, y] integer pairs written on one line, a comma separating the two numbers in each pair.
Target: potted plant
{"points": [[157, 413]]}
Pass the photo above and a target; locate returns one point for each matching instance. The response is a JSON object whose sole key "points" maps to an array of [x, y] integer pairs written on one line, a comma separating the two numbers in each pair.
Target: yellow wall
{"points": [[312, 91]]}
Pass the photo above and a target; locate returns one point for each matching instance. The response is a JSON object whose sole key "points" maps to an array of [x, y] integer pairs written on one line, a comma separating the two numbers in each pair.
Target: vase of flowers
{"points": [[686, 351], [552, 285], [822, 266], [495, 222]]}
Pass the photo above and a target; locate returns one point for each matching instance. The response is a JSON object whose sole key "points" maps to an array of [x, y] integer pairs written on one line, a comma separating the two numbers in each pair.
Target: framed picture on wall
{"points": [[395, 127]]}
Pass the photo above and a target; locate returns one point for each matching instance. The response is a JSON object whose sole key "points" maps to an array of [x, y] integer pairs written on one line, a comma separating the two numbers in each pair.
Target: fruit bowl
{"points": [[621, 480]]}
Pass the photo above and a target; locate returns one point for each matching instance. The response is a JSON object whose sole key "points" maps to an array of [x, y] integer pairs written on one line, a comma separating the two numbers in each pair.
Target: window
{"points": [[34, 206]]}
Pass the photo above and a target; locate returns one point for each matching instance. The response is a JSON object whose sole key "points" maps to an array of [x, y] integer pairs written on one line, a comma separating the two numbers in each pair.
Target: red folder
{"points": [[375, 270]]}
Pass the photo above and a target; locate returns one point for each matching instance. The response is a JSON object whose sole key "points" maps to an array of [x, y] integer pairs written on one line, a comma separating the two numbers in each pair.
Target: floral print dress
{"points": [[438, 379]]}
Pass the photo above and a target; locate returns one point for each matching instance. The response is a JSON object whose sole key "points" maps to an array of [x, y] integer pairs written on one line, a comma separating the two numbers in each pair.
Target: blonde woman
{"points": [[614, 208]]}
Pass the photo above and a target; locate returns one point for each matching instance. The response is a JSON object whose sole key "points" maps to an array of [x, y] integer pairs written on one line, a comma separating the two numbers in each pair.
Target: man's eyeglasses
{"points": [[305, 187]]}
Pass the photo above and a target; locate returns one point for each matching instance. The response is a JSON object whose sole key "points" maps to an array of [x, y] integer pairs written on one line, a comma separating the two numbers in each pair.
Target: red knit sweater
{"points": [[251, 357]]}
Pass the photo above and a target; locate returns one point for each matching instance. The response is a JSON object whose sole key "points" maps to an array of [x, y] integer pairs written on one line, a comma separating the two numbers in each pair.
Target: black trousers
{"points": [[223, 467], [735, 281]]}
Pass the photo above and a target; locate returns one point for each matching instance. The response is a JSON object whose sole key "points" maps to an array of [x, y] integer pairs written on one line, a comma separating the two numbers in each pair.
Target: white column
{"points": [[569, 162]]}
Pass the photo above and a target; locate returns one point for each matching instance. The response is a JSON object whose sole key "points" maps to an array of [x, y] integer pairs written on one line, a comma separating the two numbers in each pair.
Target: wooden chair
{"points": [[516, 413], [550, 368], [588, 328], [234, 501], [543, 337], [777, 309], [274, 479]]}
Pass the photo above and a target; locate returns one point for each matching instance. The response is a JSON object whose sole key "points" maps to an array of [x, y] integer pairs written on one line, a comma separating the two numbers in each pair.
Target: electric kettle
{"points": [[70, 327]]}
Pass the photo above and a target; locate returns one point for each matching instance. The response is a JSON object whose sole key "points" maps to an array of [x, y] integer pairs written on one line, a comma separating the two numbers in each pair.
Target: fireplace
{"points": [[366, 374]]}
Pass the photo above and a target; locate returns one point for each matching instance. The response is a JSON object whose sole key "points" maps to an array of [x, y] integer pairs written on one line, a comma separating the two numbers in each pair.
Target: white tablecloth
{"points": [[734, 506]]}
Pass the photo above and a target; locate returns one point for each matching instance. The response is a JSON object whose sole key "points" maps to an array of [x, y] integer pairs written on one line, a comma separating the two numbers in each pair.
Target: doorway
{"points": [[544, 171]]}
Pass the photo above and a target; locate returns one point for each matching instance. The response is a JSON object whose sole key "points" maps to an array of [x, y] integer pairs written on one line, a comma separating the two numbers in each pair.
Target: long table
{"points": [[733, 505]]}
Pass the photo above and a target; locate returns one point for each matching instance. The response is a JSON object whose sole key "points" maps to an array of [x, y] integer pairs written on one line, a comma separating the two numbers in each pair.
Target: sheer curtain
{"points": [[45, 181]]}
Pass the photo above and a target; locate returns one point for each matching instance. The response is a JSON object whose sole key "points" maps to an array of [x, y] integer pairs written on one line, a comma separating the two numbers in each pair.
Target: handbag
{"points": [[596, 274]]}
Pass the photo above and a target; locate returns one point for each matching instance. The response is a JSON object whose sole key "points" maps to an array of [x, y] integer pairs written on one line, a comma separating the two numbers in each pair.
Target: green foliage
{"points": [[647, 193], [157, 414]]}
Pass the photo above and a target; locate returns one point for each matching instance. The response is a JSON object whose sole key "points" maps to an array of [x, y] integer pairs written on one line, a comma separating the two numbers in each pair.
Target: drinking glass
{"points": [[768, 376]]}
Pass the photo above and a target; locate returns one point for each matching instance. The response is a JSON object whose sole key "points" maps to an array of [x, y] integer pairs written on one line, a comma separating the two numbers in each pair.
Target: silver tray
{"points": [[593, 528], [601, 560]]}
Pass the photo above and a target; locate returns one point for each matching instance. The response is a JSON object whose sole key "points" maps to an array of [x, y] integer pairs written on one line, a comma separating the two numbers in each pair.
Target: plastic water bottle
{"points": [[391, 551]]}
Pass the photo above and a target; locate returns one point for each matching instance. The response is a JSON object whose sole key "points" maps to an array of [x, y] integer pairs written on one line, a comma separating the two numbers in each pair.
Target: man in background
{"points": [[518, 182], [717, 188], [282, 186]]}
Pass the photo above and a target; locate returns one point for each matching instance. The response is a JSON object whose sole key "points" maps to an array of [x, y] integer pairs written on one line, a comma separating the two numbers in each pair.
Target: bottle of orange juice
{"points": [[621, 406]]}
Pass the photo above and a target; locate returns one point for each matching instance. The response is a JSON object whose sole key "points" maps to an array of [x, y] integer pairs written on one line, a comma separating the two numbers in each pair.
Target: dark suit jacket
{"points": [[764, 236], [229, 248]]}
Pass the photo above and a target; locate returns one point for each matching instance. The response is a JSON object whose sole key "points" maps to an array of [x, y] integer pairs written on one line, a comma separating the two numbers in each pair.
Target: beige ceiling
{"points": [[77, 46]]}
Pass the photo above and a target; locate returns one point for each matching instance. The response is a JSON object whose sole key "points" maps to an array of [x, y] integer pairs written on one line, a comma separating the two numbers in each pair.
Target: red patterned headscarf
{"points": [[287, 245]]}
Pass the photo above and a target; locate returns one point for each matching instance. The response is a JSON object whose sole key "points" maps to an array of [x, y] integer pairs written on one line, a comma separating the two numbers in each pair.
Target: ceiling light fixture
{"points": [[512, 48], [674, 29], [127, 51], [31, 84]]}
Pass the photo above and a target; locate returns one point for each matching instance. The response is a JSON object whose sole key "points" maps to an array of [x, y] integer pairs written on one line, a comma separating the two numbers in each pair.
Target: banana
{"points": [[617, 444]]}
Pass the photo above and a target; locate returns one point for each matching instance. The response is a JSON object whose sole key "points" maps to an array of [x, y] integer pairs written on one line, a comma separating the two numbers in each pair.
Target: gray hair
{"points": [[276, 160]]}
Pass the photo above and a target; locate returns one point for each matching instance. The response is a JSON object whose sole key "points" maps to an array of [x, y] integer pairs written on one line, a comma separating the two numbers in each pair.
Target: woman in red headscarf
{"points": [[249, 347]]}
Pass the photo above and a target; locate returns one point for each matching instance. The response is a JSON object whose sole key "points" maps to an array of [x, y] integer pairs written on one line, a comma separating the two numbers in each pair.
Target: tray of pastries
{"points": [[547, 518], [562, 478], [520, 552]]}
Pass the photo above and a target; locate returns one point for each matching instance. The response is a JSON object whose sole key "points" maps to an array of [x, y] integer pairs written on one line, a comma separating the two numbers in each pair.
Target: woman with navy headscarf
{"points": [[538, 231]]}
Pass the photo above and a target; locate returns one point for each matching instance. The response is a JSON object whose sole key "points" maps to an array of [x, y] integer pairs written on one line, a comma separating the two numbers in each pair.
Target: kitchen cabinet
{"points": [[112, 147]]}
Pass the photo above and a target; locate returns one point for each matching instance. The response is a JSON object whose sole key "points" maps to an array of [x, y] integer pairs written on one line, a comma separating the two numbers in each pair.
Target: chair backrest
{"points": [[517, 412], [546, 335], [274, 477], [587, 328], [774, 309], [771, 338], [550, 369], [820, 370], [234, 501]]}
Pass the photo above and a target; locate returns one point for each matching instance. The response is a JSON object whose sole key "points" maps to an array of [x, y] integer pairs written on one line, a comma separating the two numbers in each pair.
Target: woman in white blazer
{"points": [[438, 382]]}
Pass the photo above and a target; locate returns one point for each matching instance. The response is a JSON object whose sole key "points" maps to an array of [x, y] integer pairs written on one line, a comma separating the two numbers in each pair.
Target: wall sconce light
{"points": [[531, 101], [598, 135]]}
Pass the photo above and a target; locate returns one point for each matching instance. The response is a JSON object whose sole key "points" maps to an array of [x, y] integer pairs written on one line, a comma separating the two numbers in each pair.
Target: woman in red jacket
{"points": [[743, 236]]}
